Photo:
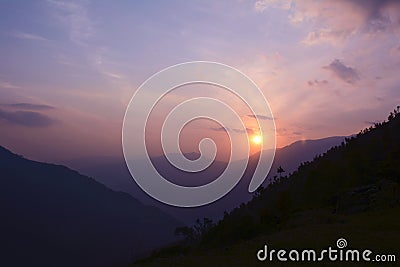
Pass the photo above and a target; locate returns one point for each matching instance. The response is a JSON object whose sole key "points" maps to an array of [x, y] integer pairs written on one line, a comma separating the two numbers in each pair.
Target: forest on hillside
{"points": [[352, 189]]}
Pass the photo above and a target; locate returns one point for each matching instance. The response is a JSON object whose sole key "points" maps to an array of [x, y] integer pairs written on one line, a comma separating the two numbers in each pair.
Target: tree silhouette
{"points": [[187, 232], [201, 227], [280, 171], [363, 173], [275, 179], [259, 190], [391, 116], [192, 234]]}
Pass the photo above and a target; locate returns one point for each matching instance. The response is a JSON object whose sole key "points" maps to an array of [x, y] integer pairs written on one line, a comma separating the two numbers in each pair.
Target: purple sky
{"points": [[68, 69]]}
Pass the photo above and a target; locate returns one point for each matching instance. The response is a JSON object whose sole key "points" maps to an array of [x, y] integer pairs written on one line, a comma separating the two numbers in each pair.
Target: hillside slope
{"points": [[53, 216], [352, 191]]}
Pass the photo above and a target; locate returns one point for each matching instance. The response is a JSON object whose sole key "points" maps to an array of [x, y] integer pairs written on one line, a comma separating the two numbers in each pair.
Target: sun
{"points": [[257, 139]]}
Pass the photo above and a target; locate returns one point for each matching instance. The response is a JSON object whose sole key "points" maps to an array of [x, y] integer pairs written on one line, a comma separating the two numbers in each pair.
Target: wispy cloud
{"points": [[261, 5], [316, 82], [28, 106], [26, 118], [335, 21], [8, 85], [281, 131], [74, 16], [326, 35], [29, 36], [260, 117], [240, 131], [112, 75], [343, 72]]}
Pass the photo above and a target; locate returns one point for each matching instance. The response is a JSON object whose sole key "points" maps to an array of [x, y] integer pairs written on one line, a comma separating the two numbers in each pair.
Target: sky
{"points": [[69, 69]]}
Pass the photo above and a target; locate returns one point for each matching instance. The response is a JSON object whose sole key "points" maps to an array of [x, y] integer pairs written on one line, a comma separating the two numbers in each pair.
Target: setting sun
{"points": [[257, 139]]}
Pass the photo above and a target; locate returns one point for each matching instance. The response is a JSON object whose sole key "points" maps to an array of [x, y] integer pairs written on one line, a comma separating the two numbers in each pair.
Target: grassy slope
{"points": [[359, 230]]}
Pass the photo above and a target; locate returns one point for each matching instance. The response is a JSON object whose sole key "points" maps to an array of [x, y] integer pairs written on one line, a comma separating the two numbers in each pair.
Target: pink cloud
{"points": [[334, 21]]}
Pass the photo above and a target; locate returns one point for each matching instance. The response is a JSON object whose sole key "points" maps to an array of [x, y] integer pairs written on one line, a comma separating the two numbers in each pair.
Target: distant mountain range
{"points": [[54, 216], [114, 173]]}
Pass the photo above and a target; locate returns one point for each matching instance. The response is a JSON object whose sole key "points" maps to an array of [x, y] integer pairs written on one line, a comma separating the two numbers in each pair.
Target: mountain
{"points": [[292, 155], [350, 192], [53, 216], [114, 173]]}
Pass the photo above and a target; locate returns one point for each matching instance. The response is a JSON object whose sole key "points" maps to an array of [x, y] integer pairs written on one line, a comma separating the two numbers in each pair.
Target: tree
{"points": [[391, 116], [186, 232], [259, 190], [195, 233], [280, 171], [201, 227]]}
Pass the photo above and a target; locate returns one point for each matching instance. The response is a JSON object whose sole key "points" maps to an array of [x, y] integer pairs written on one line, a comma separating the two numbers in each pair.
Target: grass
{"points": [[374, 230]]}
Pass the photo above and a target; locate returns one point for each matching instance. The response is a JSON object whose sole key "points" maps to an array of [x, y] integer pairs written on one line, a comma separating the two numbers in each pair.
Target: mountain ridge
{"points": [[51, 212], [116, 175]]}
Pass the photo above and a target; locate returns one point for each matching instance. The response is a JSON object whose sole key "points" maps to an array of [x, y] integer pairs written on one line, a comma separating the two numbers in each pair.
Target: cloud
{"points": [[8, 85], [222, 129], [29, 36], [260, 117], [379, 15], [281, 131], [327, 36], [112, 75], [26, 118], [219, 129], [250, 131], [317, 82], [29, 106], [261, 5], [74, 16], [343, 72], [81, 27], [334, 21]]}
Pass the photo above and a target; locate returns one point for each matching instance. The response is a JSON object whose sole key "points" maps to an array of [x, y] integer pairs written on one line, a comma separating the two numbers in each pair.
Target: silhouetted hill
{"points": [[53, 216], [352, 191], [114, 173], [292, 155]]}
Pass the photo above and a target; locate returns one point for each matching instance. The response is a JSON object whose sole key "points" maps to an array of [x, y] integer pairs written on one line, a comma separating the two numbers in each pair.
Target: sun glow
{"points": [[257, 139]]}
